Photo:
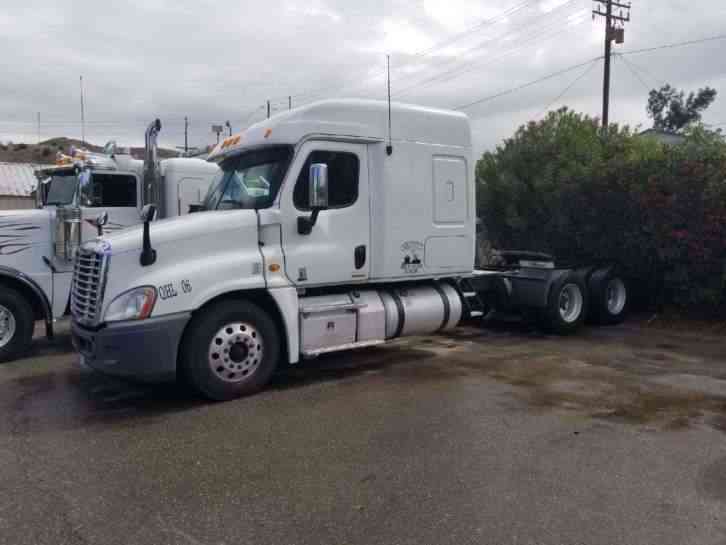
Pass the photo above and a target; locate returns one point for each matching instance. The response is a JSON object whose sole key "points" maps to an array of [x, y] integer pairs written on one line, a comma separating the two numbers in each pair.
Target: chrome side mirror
{"points": [[318, 196], [101, 220]]}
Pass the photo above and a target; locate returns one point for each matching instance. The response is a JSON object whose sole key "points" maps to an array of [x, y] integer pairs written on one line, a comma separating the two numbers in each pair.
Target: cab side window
{"points": [[110, 190], [343, 173]]}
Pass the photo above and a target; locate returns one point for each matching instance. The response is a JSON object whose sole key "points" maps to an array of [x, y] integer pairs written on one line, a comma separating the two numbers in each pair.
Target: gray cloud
{"points": [[219, 60]]}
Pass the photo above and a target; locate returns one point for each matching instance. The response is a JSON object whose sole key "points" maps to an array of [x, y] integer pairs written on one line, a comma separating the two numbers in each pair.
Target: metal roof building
{"points": [[17, 183]]}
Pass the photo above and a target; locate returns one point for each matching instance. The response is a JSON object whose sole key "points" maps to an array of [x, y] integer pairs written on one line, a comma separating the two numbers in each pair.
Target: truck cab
{"points": [[324, 231], [82, 195], [342, 224]]}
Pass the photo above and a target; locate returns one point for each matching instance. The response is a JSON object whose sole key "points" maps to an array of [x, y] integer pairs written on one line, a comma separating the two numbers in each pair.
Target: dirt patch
{"points": [[712, 480], [640, 383]]}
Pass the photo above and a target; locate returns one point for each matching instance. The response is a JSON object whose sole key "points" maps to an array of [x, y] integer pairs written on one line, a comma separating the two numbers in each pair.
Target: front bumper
{"points": [[144, 350]]}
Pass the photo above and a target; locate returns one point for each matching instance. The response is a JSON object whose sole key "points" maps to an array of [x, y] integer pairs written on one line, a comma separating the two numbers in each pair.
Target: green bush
{"points": [[559, 186]]}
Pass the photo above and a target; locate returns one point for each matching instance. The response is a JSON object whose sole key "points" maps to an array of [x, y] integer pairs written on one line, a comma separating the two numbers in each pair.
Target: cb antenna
{"points": [[389, 147]]}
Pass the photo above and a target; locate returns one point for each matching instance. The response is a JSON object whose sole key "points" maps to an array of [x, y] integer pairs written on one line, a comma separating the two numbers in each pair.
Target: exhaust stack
{"points": [[152, 175]]}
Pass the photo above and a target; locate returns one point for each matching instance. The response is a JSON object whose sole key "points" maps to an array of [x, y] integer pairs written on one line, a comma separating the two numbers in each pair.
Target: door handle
{"points": [[360, 256]]}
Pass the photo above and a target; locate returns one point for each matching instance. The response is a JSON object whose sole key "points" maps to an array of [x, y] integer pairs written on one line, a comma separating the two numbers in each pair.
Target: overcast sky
{"points": [[221, 60]]}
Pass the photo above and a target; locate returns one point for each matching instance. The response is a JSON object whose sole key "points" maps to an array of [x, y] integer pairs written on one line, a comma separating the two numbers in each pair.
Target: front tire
{"points": [[566, 306], [230, 350], [16, 324]]}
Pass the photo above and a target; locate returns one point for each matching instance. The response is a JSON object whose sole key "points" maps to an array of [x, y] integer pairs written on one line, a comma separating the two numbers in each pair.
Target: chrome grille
{"points": [[89, 275]]}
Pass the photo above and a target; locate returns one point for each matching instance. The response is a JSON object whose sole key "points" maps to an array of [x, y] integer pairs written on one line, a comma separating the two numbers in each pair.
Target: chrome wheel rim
{"points": [[615, 296], [235, 352], [7, 326], [570, 303]]}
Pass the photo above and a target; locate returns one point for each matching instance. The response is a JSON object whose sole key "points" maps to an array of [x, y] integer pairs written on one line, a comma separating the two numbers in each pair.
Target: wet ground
{"points": [[499, 435]]}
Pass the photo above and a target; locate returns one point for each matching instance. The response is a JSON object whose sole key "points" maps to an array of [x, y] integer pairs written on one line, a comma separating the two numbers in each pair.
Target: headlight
{"points": [[135, 304]]}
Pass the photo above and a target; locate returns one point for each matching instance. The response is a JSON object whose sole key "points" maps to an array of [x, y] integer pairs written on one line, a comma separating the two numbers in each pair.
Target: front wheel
{"points": [[230, 350], [16, 324], [566, 306]]}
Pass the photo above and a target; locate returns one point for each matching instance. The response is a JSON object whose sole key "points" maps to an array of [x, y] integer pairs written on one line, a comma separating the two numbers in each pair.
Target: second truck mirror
{"points": [[148, 213], [101, 220]]}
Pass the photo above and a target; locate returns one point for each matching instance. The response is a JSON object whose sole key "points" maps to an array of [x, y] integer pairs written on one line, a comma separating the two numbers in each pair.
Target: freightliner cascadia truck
{"points": [[82, 193], [338, 225]]}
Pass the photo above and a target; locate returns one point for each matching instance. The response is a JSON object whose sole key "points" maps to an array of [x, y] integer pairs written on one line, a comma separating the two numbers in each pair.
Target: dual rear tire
{"points": [[566, 306], [609, 294], [603, 299]]}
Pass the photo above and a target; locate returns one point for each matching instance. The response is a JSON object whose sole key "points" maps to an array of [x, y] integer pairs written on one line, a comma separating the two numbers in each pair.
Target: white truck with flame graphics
{"points": [[338, 225], [38, 247]]}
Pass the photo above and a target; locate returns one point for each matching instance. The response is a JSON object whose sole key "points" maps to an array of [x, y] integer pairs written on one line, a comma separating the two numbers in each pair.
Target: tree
{"points": [[672, 111], [558, 186]]}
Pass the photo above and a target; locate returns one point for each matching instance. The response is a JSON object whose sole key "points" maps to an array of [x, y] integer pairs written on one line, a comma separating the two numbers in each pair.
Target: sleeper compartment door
{"points": [[337, 250], [450, 246]]}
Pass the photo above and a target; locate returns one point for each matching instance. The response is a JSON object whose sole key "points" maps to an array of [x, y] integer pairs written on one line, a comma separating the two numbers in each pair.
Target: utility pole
{"points": [[186, 134], [83, 117], [614, 30], [217, 129], [38, 127], [268, 109], [289, 103]]}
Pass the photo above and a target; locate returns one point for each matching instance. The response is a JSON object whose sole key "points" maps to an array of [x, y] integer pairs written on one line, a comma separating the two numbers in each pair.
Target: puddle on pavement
{"points": [[72, 398]]}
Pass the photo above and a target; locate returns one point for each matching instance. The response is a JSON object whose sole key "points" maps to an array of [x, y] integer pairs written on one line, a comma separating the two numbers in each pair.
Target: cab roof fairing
{"points": [[352, 119]]}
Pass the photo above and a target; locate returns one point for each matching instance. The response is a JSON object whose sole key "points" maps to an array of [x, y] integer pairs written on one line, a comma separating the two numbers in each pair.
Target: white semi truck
{"points": [[338, 225], [83, 190]]}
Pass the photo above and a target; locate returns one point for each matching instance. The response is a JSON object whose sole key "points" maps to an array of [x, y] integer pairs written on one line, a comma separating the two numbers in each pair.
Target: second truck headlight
{"points": [[135, 304]]}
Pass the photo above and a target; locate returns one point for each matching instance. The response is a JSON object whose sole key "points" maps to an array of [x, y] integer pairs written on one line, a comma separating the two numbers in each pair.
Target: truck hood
{"points": [[182, 229], [22, 229], [198, 257]]}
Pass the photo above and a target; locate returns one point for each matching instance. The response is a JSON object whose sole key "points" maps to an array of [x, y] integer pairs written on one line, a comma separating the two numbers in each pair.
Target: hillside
{"points": [[45, 152]]}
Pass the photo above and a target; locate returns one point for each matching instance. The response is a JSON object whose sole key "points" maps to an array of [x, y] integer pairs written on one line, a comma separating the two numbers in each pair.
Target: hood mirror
{"points": [[148, 254], [101, 220], [148, 213]]}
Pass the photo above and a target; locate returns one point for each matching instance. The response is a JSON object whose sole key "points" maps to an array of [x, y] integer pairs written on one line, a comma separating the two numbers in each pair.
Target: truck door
{"points": [[114, 193], [337, 249]]}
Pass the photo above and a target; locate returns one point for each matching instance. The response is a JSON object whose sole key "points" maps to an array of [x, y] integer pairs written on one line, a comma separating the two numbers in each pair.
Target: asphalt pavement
{"points": [[499, 436]]}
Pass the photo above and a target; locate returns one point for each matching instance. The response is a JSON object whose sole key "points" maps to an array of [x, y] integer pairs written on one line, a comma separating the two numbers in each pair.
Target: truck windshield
{"points": [[61, 189], [250, 180]]}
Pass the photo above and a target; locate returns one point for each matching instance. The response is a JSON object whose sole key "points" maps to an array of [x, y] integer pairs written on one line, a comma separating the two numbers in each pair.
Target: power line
{"points": [[632, 71], [643, 70], [574, 67], [516, 33], [482, 24], [570, 86], [426, 52], [674, 45], [525, 85], [541, 34]]}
